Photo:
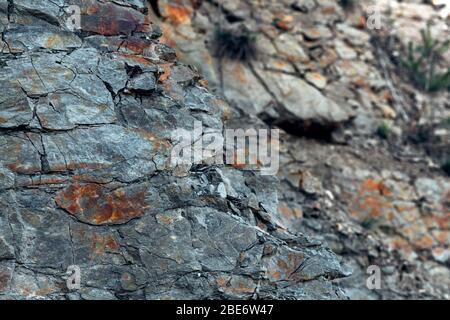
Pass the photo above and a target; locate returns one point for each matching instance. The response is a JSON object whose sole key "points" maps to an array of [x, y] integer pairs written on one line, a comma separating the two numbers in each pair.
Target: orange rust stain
{"points": [[165, 38], [93, 9], [97, 205], [444, 222], [136, 58], [221, 281], [51, 41], [425, 241], [20, 168], [177, 14], [203, 82], [137, 46], [102, 243], [285, 268], [166, 72], [110, 19], [361, 23], [370, 185], [371, 200], [242, 288], [159, 144], [442, 236]]}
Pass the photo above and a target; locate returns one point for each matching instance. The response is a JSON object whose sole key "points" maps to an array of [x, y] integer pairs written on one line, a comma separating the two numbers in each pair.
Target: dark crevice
{"points": [[306, 129], [155, 8], [10, 9]]}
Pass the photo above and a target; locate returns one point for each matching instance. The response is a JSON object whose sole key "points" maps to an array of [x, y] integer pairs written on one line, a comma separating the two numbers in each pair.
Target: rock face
{"points": [[85, 138], [322, 74]]}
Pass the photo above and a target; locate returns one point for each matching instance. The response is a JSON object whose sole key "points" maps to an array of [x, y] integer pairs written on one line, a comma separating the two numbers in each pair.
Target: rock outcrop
{"points": [[85, 178], [321, 73]]}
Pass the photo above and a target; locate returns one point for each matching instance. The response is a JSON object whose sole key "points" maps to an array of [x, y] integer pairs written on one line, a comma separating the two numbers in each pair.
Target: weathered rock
{"points": [[86, 123]]}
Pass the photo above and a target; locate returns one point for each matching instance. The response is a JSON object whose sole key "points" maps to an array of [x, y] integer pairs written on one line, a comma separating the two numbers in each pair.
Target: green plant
{"points": [[368, 223], [384, 131], [446, 167], [237, 45], [422, 62]]}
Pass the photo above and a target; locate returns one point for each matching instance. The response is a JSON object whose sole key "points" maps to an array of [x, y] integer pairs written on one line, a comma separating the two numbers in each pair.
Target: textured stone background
{"points": [[329, 82], [85, 136]]}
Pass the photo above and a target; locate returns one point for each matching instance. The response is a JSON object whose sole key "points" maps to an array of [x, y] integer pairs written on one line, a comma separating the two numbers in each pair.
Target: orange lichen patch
{"points": [[2, 120], [399, 244], [221, 281], [51, 41], [374, 206], [361, 22], [283, 268], [177, 14], [442, 236], [166, 38], [109, 19], [166, 71], [370, 185], [23, 168], [138, 46], [444, 222], [97, 205], [284, 22], [135, 58], [425, 242], [101, 243], [159, 145], [203, 83], [372, 202]]}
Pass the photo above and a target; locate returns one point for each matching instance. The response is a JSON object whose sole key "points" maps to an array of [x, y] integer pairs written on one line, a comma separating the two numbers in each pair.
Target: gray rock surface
{"points": [[85, 136], [330, 82]]}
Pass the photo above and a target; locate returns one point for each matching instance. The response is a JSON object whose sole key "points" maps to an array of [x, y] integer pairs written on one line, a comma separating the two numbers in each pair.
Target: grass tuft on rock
{"points": [[384, 131], [237, 45]]}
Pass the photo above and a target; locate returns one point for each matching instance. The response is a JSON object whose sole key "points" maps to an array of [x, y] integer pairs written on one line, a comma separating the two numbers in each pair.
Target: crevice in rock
{"points": [[155, 8], [10, 9]]}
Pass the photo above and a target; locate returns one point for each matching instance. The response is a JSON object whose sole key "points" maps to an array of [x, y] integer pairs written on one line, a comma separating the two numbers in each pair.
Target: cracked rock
{"points": [[86, 123]]}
